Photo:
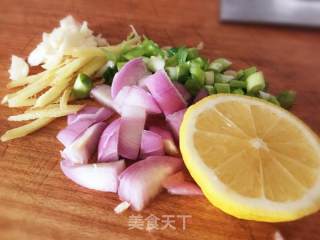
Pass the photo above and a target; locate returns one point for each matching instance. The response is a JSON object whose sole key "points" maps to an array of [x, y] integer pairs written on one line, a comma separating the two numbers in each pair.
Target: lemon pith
{"points": [[252, 159]]}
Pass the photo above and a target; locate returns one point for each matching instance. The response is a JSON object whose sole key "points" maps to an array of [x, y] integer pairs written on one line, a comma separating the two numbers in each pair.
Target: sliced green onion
{"points": [[182, 55], [173, 73], [155, 63], [183, 71], [220, 64], [274, 100], [193, 86], [150, 48], [222, 87], [230, 73], [109, 74], [82, 86], [268, 97], [221, 78], [186, 66], [171, 61], [211, 89], [237, 84], [216, 66], [286, 98], [178, 73], [247, 72], [255, 82], [192, 53], [172, 51], [238, 91], [200, 62], [218, 77], [209, 77], [226, 78], [264, 95], [197, 73], [240, 74]]}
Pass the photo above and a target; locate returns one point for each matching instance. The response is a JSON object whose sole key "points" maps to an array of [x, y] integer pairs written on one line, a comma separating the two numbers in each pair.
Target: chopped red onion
{"points": [[136, 96], [86, 113], [142, 83], [131, 127], [165, 93], [201, 94], [120, 99], [100, 176], [84, 146], [140, 97], [69, 134], [102, 94], [108, 144], [176, 184], [164, 133], [183, 91], [151, 144], [169, 146], [185, 188], [174, 179], [141, 181], [129, 75], [171, 149], [174, 120]]}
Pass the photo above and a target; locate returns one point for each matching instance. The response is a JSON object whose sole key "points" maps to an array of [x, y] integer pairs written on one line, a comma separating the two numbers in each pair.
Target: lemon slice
{"points": [[252, 159]]}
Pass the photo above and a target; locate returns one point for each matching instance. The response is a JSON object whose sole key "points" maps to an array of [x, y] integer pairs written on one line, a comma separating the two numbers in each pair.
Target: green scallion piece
{"points": [[173, 73], [82, 86], [193, 86], [274, 100], [109, 74], [222, 87], [211, 89], [200, 62], [247, 72], [150, 48], [226, 78], [238, 84], [192, 53], [265, 95], [218, 77], [238, 91], [240, 74], [197, 74], [209, 77], [221, 78], [155, 63], [172, 51], [255, 82], [231, 73], [178, 73], [182, 55], [183, 71], [171, 61], [286, 98], [220, 64]]}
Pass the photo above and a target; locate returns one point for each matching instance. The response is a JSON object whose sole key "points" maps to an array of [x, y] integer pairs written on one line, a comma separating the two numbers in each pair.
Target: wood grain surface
{"points": [[38, 202]]}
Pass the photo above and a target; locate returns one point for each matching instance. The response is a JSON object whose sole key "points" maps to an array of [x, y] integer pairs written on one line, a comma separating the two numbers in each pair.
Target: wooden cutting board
{"points": [[38, 202]]}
